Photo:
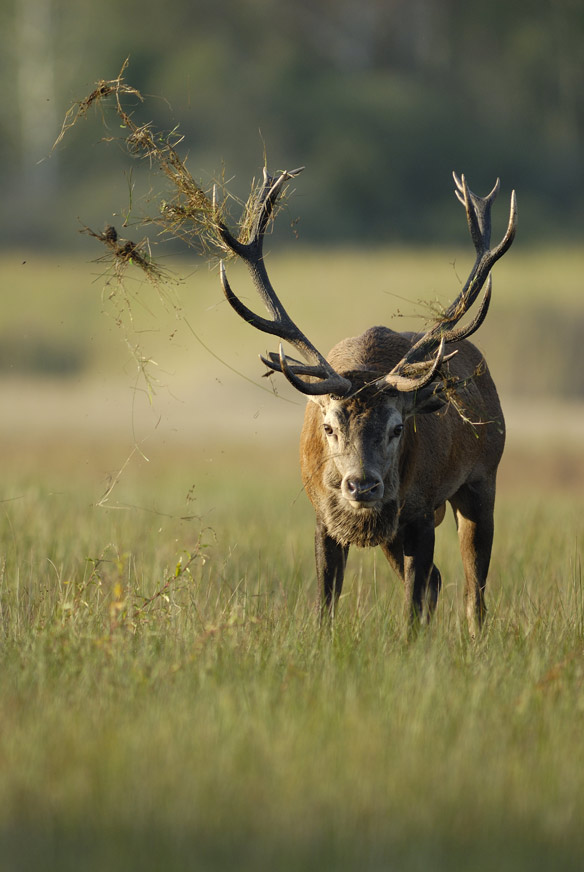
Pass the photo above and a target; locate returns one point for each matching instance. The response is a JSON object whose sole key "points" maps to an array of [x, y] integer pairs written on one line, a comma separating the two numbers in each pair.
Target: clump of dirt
{"points": [[125, 252]]}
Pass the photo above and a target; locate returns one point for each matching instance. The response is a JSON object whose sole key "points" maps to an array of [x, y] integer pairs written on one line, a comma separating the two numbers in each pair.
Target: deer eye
{"points": [[398, 429], [328, 429]]}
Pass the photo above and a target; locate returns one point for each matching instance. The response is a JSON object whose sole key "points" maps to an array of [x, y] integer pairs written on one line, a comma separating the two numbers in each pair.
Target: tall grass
{"points": [[168, 700]]}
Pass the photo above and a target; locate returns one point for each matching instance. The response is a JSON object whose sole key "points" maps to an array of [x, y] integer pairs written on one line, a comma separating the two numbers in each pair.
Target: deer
{"points": [[397, 424]]}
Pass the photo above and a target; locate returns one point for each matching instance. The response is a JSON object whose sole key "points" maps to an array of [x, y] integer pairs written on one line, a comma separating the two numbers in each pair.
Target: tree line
{"points": [[380, 100]]}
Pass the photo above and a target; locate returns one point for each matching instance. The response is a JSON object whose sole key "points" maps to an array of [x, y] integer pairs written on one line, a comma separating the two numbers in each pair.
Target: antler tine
{"points": [[478, 211], [327, 383], [456, 334], [479, 216], [281, 325], [404, 376], [330, 382], [268, 197]]}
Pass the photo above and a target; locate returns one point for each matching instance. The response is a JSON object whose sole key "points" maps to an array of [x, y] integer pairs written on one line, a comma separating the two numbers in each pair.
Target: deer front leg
{"points": [[331, 560], [422, 579], [394, 552]]}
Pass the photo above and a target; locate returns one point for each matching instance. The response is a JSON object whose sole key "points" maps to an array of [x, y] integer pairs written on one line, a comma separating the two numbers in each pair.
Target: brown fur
{"points": [[448, 455], [380, 464]]}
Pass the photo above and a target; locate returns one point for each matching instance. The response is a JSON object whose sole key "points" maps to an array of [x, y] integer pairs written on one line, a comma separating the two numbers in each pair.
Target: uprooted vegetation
{"points": [[189, 213], [199, 218]]}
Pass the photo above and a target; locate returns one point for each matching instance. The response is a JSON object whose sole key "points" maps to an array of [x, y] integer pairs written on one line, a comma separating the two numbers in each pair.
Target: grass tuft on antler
{"points": [[184, 211], [189, 213]]}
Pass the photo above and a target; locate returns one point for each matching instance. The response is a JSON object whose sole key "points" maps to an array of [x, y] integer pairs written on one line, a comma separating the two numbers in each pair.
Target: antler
{"points": [[412, 372], [251, 252]]}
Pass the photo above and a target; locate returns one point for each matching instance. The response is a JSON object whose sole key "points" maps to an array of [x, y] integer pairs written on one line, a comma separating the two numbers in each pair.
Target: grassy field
{"points": [[167, 700]]}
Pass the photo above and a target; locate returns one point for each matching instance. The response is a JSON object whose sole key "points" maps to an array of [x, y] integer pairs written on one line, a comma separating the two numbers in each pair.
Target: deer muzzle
{"points": [[362, 491]]}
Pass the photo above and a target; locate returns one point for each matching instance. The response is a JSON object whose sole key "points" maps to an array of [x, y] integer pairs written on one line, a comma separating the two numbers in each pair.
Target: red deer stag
{"points": [[395, 426]]}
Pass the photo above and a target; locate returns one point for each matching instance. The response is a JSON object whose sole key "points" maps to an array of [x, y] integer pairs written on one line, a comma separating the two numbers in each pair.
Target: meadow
{"points": [[167, 697]]}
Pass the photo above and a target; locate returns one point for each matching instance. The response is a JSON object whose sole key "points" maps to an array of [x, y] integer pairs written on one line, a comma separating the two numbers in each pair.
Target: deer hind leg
{"points": [[331, 560], [411, 555], [473, 509]]}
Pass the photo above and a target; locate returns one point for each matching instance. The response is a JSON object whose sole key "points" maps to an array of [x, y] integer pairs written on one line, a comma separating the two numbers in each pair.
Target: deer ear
{"points": [[429, 399]]}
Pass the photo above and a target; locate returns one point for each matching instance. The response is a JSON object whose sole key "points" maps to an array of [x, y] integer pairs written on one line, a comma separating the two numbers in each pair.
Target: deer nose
{"points": [[363, 490]]}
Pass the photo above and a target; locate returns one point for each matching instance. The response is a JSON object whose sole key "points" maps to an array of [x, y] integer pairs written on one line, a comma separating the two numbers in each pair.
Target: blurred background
{"points": [[380, 100]]}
